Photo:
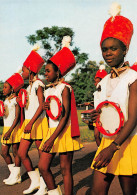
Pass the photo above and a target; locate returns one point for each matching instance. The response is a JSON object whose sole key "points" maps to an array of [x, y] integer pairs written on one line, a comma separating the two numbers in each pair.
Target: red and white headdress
{"points": [[16, 81], [64, 59], [34, 61], [101, 73], [117, 26]]}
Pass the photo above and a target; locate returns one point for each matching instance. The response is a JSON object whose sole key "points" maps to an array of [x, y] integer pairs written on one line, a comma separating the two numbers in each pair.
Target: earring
{"points": [[57, 76], [12, 91]]}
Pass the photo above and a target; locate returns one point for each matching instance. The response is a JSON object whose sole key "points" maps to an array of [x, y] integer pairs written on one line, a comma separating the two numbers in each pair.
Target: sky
{"points": [[18, 19]]}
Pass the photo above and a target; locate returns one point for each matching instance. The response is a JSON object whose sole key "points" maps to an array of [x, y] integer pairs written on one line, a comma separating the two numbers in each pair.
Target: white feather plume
{"points": [[102, 67], [66, 41], [115, 9], [36, 47], [19, 70]]}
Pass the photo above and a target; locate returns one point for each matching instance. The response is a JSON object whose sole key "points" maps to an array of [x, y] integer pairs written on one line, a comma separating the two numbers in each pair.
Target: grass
{"points": [[86, 134], [1, 129]]}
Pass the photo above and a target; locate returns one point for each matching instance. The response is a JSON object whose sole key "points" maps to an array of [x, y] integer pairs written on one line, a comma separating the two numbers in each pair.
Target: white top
{"points": [[116, 90], [33, 103], [10, 110], [57, 91]]}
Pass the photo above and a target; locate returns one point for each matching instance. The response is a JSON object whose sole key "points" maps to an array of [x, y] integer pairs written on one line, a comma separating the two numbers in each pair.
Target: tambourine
{"points": [[55, 107], [23, 97], [110, 119], [2, 108]]}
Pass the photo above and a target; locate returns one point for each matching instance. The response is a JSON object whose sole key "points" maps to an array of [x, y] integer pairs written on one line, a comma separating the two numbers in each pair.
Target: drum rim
{"points": [[49, 113], [20, 95], [2, 103], [120, 113]]}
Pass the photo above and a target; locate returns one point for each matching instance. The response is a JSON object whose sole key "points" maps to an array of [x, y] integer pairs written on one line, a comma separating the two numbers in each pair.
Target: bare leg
{"points": [[38, 142], [5, 153], [15, 148], [128, 184], [66, 170], [44, 167], [23, 154], [101, 183]]}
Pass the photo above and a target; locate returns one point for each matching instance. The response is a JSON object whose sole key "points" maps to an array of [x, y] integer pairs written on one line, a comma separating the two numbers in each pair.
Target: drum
{"points": [[55, 107], [2, 108], [110, 119], [23, 98]]}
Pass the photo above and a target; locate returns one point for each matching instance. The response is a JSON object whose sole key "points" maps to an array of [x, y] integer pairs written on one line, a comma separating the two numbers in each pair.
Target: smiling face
{"points": [[7, 89], [113, 52], [50, 73]]}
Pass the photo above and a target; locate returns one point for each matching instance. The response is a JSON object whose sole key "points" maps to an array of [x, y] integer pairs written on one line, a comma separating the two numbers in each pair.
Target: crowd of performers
{"points": [[27, 117]]}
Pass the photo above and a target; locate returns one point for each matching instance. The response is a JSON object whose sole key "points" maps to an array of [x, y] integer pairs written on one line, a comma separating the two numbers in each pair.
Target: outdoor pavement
{"points": [[82, 173]]}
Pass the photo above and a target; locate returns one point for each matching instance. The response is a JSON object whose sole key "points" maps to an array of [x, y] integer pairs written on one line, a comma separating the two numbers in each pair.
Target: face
{"points": [[112, 52], [25, 73], [7, 89], [50, 73], [97, 80]]}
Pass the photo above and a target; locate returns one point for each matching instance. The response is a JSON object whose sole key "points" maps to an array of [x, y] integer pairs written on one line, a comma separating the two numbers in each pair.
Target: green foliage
{"points": [[82, 80], [50, 40], [1, 90], [86, 135]]}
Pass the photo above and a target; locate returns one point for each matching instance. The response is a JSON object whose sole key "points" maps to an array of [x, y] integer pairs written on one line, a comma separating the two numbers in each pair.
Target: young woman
{"points": [[11, 132], [117, 154], [35, 124], [63, 134]]}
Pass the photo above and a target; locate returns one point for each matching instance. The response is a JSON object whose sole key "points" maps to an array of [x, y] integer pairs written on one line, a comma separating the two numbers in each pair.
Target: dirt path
{"points": [[82, 173]]}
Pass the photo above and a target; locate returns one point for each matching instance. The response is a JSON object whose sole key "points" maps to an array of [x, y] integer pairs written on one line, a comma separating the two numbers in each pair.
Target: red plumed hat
{"points": [[117, 26], [101, 73], [34, 62], [134, 67], [16, 81], [64, 60]]}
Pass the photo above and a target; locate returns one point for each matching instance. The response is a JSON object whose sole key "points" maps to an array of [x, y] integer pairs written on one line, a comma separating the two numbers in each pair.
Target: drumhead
{"points": [[23, 96], [111, 118], [54, 107]]}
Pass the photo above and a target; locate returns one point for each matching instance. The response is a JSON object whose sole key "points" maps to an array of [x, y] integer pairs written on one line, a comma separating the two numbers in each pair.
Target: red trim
{"points": [[2, 108], [49, 113], [121, 116], [21, 97]]}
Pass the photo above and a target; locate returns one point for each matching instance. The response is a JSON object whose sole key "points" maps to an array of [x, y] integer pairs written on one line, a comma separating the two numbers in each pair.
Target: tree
{"points": [[82, 80], [1, 90], [50, 40]]}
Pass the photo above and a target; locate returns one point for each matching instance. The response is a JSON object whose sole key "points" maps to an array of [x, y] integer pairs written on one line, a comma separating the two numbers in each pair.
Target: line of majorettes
{"points": [[116, 155]]}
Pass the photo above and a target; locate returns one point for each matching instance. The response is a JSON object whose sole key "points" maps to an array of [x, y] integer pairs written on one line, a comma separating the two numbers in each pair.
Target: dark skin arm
{"points": [[66, 101], [15, 122], [97, 136], [38, 112], [105, 156]]}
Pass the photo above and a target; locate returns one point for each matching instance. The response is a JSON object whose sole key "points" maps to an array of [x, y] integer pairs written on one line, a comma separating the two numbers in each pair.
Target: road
{"points": [[82, 173]]}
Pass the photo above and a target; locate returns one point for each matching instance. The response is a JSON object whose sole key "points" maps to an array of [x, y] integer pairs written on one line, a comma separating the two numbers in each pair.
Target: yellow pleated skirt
{"points": [[64, 142], [15, 135], [38, 131], [124, 161]]}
